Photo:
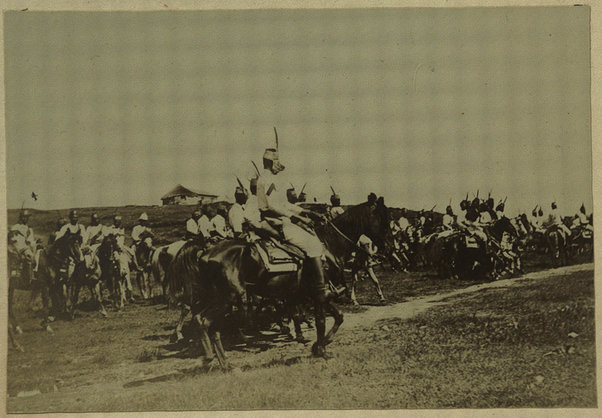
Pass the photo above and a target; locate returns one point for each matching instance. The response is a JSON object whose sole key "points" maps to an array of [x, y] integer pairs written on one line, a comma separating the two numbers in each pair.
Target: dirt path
{"points": [[89, 388], [405, 310]]}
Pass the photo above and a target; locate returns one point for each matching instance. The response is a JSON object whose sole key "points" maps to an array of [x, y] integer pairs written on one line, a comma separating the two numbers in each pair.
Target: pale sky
{"points": [[417, 105]]}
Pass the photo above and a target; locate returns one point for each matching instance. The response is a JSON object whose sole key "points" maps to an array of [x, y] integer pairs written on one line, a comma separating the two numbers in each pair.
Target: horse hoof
{"points": [[49, 329], [104, 314], [301, 339], [18, 329], [318, 350], [355, 303]]}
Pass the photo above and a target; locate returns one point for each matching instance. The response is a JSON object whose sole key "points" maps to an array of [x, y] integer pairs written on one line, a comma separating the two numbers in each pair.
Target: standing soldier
{"points": [[336, 209]]}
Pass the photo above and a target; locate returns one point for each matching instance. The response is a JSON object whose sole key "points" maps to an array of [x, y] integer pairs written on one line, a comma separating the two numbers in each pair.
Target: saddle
{"points": [[279, 257]]}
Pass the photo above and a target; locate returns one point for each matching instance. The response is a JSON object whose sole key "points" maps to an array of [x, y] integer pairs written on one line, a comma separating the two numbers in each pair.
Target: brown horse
{"points": [[56, 267], [112, 271], [214, 281]]}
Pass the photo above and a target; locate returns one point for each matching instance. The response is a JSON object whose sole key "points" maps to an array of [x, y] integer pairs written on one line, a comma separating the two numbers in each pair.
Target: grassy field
{"points": [[506, 347]]}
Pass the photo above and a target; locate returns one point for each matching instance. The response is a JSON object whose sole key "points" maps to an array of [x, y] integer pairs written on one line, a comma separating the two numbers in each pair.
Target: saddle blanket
{"points": [[275, 258]]}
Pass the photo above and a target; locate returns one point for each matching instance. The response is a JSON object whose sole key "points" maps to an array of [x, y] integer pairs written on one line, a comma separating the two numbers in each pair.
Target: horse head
{"points": [[371, 219], [69, 245]]}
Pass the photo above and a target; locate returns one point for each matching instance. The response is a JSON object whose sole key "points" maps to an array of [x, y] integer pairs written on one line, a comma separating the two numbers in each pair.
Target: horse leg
{"points": [[11, 314], [297, 319], [219, 351], [205, 340], [374, 279], [96, 292], [319, 347], [75, 289], [178, 336], [13, 340], [354, 280], [122, 291], [338, 320]]}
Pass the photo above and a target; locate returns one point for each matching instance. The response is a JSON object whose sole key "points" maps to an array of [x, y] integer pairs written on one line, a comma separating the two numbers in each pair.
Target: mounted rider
{"points": [[73, 227], [62, 221], [581, 222], [470, 221], [236, 214], [22, 228], [219, 229], [335, 202], [554, 220], [95, 232], [289, 221], [448, 222], [124, 252], [141, 233]]}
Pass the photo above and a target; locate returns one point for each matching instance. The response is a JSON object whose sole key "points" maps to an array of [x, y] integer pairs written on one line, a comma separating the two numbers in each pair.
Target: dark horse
{"points": [[56, 272], [558, 245], [468, 258], [215, 280], [144, 253], [111, 269]]}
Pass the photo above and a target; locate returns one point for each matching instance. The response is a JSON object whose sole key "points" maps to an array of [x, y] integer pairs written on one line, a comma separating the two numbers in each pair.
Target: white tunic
{"points": [[138, 230], [95, 234], [73, 229], [192, 227], [236, 217], [218, 224], [205, 226]]}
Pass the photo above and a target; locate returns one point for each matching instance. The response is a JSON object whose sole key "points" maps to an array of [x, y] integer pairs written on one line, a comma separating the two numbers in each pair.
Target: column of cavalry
{"points": [[482, 242], [270, 252]]}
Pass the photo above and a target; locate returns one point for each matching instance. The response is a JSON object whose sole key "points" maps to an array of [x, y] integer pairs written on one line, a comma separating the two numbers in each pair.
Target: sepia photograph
{"points": [[299, 209]]}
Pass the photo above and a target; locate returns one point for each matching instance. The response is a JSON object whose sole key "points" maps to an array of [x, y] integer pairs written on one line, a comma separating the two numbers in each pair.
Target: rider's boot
{"points": [[318, 282]]}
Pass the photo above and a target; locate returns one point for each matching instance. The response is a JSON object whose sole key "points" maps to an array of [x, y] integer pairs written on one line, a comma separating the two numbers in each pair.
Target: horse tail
{"points": [[182, 272]]}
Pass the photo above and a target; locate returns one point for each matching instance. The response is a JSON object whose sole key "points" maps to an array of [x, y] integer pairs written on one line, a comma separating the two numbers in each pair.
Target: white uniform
{"points": [[95, 234], [27, 232], [448, 221], [218, 224], [73, 229], [336, 211], [252, 210], [403, 223], [192, 227], [138, 230], [271, 193], [236, 217], [205, 226], [485, 218]]}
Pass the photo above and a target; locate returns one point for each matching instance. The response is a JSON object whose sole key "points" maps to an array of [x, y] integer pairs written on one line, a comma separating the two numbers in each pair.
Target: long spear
{"points": [[276, 133], [256, 169]]}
